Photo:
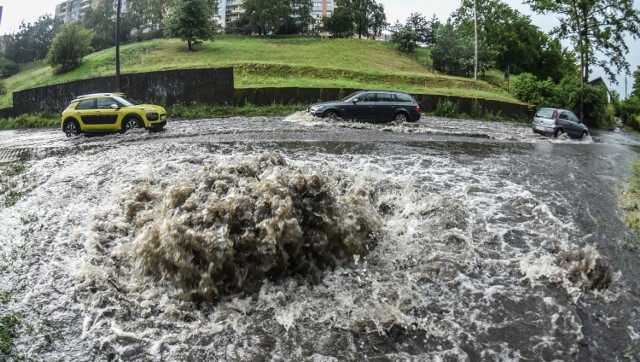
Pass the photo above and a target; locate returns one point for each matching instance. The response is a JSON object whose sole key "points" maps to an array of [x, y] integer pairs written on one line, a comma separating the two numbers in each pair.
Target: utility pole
{"points": [[475, 26], [626, 91], [119, 6]]}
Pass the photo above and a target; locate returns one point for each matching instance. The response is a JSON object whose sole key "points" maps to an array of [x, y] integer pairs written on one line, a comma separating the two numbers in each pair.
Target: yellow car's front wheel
{"points": [[131, 123]]}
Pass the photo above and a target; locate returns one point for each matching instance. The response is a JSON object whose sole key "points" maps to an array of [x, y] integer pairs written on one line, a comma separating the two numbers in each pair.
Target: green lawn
{"points": [[274, 62]]}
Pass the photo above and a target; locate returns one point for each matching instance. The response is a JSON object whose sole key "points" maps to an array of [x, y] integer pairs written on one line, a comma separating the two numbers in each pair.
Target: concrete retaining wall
{"points": [[215, 86], [209, 86]]}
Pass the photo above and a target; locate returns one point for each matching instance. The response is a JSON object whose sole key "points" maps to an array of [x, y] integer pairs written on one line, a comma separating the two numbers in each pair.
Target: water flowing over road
{"points": [[295, 238]]}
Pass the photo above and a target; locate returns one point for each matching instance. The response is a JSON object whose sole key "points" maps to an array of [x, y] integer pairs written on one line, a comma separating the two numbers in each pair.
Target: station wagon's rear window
{"points": [[404, 98]]}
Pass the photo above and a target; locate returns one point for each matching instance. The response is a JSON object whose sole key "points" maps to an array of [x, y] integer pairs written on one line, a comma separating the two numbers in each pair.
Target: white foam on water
{"points": [[461, 251]]}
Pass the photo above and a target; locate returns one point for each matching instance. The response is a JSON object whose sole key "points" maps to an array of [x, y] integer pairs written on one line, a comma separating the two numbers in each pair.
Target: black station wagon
{"points": [[376, 106]]}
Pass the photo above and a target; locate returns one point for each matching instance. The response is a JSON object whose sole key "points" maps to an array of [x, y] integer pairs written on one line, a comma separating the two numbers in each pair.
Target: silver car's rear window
{"points": [[545, 113]]}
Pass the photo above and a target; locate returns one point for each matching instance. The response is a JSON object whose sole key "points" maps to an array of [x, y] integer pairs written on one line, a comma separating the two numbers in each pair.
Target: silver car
{"points": [[555, 122]]}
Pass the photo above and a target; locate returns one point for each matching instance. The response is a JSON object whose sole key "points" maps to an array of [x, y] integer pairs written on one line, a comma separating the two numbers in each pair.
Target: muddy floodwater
{"points": [[299, 239]]}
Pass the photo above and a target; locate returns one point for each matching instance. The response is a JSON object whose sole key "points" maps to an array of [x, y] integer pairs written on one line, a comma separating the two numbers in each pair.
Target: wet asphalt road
{"points": [[470, 267]]}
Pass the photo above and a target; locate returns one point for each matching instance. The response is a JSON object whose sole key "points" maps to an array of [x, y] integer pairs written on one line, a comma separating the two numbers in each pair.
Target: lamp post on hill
{"points": [[475, 30], [119, 6]]}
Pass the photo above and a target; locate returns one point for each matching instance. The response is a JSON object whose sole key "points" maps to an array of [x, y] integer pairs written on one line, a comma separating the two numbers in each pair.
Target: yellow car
{"points": [[107, 112]]}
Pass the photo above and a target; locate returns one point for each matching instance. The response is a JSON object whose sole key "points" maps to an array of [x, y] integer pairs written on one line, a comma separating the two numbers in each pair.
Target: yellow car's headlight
{"points": [[153, 116]]}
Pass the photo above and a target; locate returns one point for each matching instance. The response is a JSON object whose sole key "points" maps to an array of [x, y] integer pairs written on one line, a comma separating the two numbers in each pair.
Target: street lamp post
{"points": [[475, 27], [118, 87]]}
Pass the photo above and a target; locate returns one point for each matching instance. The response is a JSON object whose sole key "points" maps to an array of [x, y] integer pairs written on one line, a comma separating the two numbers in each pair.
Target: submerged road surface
{"points": [[251, 239]]}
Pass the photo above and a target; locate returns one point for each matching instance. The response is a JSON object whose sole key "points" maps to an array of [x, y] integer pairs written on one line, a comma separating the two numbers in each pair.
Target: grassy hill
{"points": [[273, 62]]}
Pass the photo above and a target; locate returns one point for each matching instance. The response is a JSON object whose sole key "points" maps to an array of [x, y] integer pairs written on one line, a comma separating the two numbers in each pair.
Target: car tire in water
{"points": [[400, 117], [583, 135], [130, 123], [558, 133], [331, 114], [71, 128]]}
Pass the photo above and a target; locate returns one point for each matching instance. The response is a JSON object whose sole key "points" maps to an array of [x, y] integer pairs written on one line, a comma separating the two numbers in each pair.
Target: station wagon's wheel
{"points": [[130, 123], [400, 117], [584, 134], [558, 133], [71, 128], [331, 114]]}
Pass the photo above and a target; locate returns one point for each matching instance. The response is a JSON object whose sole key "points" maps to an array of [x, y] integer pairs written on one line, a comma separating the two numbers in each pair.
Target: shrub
{"points": [[596, 112], [40, 120], [629, 109], [8, 68], [196, 111], [476, 110], [633, 122], [525, 88], [69, 47], [567, 95], [447, 108], [405, 39]]}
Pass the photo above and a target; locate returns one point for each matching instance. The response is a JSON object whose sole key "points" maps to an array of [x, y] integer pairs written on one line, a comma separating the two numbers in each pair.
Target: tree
{"points": [[151, 15], [299, 20], [635, 92], [357, 17], [102, 21], [594, 26], [420, 26], [32, 41], [341, 23], [266, 16], [404, 38], [377, 20], [454, 50], [418, 30], [69, 47], [8, 68], [191, 21], [630, 107], [519, 45]]}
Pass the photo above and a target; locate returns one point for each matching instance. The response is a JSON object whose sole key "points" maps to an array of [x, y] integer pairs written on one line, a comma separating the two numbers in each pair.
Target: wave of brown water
{"points": [[226, 230]]}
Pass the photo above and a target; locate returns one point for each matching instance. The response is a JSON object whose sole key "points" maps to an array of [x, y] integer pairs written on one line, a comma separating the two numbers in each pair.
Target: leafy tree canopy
{"points": [[519, 45], [32, 41], [357, 17], [454, 51], [595, 27], [405, 38], [266, 16], [69, 47], [635, 92], [191, 21]]}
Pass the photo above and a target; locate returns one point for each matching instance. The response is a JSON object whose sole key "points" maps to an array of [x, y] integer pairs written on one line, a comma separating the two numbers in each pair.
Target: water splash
{"points": [[229, 228]]}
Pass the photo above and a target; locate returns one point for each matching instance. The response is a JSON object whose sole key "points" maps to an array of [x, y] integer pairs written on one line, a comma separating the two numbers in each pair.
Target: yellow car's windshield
{"points": [[126, 101]]}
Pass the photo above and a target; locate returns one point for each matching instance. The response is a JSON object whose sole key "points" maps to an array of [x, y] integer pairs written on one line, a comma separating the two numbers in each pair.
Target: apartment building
{"points": [[228, 10], [322, 8], [72, 10], [233, 9]]}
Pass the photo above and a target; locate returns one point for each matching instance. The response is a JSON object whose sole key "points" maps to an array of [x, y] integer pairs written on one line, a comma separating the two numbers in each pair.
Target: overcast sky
{"points": [[16, 11]]}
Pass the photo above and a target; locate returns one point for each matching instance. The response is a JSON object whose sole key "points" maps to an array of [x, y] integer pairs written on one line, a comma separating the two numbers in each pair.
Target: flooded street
{"points": [[299, 239]]}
